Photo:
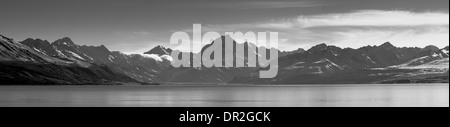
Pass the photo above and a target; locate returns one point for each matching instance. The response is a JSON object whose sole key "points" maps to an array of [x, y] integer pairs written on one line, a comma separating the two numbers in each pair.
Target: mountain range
{"points": [[36, 61], [24, 65]]}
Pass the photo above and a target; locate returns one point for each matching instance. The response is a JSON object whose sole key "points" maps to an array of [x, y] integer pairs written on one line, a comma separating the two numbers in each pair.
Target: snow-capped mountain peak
{"points": [[64, 41]]}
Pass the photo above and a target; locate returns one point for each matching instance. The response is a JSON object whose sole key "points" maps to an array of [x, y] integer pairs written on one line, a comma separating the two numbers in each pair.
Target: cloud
{"points": [[245, 5], [137, 42], [362, 18], [158, 58], [375, 18], [353, 29], [419, 36], [142, 33], [167, 57], [153, 56]]}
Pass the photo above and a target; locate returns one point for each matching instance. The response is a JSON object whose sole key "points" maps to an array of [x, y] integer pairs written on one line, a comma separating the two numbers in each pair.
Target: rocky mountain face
{"points": [[352, 59], [65, 48], [445, 50], [139, 67], [23, 65], [214, 74], [320, 64], [334, 65]]}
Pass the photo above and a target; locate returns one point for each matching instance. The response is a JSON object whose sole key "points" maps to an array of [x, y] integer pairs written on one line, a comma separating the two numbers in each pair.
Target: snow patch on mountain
{"points": [[369, 59], [59, 52], [111, 58], [90, 58], [436, 64], [76, 55], [158, 58], [37, 50]]}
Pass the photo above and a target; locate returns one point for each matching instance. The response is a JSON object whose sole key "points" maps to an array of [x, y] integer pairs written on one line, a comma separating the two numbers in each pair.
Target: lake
{"points": [[417, 95]]}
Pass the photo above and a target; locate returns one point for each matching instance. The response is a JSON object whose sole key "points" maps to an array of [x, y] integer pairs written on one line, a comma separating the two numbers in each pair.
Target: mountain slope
{"points": [[321, 64], [12, 51], [138, 67], [213, 75], [355, 65], [23, 65], [431, 68], [445, 50]]}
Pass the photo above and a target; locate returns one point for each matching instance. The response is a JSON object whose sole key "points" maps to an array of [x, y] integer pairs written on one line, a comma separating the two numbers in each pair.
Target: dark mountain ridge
{"points": [[330, 64], [22, 65], [319, 64]]}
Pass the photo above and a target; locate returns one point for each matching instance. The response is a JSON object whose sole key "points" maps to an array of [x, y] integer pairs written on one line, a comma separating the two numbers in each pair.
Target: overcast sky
{"points": [[135, 26]]}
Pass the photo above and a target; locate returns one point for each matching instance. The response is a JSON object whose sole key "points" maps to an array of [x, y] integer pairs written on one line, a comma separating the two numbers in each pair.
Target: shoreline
{"points": [[254, 85]]}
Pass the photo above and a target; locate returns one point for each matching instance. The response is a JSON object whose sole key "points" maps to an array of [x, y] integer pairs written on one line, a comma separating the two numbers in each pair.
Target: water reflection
{"points": [[227, 96]]}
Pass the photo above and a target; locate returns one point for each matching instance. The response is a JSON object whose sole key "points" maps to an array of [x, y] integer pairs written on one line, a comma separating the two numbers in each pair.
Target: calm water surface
{"points": [[227, 96]]}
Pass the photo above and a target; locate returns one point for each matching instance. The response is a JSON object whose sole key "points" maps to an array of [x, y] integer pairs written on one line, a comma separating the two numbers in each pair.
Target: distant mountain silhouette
{"points": [[324, 64], [213, 75], [432, 48], [160, 50], [36, 61], [298, 51]]}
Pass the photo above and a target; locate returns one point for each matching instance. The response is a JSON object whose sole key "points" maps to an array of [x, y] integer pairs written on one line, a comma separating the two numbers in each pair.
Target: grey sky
{"points": [[133, 26]]}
